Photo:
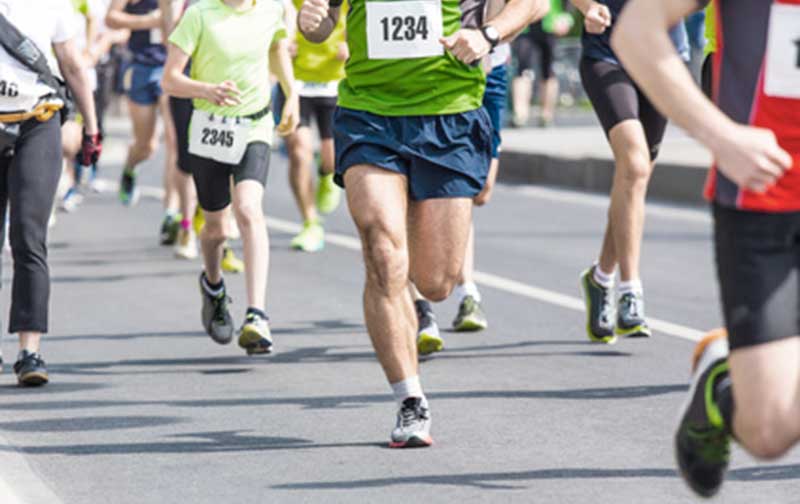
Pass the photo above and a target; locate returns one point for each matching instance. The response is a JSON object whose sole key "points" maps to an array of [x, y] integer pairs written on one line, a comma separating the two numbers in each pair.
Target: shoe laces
{"points": [[607, 311], [412, 411], [34, 358], [632, 305], [221, 307]]}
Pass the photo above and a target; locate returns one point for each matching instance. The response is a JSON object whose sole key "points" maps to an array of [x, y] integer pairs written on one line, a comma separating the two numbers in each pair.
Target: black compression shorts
{"points": [[616, 98], [533, 45], [758, 265], [181, 109], [212, 178]]}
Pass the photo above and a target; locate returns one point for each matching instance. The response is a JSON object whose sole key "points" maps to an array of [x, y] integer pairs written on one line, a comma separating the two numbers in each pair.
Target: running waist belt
{"points": [[258, 115]]}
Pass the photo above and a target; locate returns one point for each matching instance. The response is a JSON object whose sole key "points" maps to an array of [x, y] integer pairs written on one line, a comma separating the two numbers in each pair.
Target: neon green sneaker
{"points": [[329, 195], [310, 239], [230, 263]]}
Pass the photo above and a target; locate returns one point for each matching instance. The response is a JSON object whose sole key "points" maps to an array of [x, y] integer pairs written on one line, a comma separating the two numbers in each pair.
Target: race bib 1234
{"points": [[404, 29]]}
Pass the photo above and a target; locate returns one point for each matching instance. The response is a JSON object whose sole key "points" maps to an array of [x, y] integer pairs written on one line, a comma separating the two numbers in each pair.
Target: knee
{"points": [[765, 433], [436, 287], [634, 168], [248, 214], [213, 230], [145, 149], [386, 261]]}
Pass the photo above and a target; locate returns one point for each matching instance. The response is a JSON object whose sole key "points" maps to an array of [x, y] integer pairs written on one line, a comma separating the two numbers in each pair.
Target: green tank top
{"points": [[397, 66]]}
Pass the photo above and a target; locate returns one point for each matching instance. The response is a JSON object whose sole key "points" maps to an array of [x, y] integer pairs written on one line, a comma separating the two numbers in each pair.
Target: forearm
{"points": [[582, 5], [642, 43], [280, 63], [75, 74], [176, 83], [170, 14], [517, 14], [123, 20]]}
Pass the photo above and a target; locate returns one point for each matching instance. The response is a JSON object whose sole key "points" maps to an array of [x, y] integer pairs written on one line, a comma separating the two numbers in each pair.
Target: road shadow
{"points": [[358, 401], [92, 423], [517, 480], [57, 387], [197, 442]]}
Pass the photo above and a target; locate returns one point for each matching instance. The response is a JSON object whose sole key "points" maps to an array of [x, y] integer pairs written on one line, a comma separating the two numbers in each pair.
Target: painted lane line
{"points": [[486, 279]]}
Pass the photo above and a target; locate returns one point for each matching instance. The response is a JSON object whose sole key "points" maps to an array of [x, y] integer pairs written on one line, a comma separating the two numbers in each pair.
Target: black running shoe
{"points": [[128, 192], [30, 369], [599, 309], [170, 227], [702, 443], [216, 318]]}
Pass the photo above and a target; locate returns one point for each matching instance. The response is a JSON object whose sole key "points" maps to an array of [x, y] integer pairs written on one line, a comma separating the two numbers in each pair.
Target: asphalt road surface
{"points": [[144, 408]]}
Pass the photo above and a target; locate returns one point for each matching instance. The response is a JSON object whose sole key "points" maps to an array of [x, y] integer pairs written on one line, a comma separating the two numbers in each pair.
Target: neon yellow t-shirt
{"points": [[319, 62], [711, 30], [226, 44]]}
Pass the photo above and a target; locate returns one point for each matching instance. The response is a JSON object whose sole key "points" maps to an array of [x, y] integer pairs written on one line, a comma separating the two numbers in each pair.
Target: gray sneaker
{"points": [[470, 316], [255, 336], [599, 309], [630, 317], [216, 317], [413, 428]]}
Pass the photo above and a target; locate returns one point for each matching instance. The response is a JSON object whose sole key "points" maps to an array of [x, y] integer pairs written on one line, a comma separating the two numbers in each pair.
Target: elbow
{"points": [[112, 22], [168, 83]]}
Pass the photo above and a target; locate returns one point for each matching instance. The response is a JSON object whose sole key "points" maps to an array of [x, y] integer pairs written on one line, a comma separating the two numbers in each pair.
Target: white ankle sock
{"points": [[467, 289], [410, 387], [602, 278], [631, 286]]}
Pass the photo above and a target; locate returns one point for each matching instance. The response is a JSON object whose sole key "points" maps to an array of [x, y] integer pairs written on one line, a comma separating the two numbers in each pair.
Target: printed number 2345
{"points": [[408, 28]]}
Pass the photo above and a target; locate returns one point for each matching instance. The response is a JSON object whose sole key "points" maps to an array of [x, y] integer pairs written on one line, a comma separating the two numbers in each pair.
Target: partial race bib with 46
{"points": [[223, 139], [782, 79], [18, 90], [404, 29]]}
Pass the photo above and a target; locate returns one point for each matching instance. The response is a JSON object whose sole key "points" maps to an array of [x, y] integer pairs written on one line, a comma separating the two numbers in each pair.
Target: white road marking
{"points": [[600, 201], [28, 487], [486, 279]]}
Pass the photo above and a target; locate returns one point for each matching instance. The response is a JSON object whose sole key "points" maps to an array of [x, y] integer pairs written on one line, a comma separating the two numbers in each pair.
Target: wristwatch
{"points": [[491, 35]]}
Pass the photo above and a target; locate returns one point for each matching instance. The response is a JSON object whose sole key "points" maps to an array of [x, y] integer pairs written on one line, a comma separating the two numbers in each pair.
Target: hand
{"points": [[751, 157], [344, 52], [312, 14], [562, 25], [224, 94], [290, 115], [468, 45], [597, 18], [91, 148]]}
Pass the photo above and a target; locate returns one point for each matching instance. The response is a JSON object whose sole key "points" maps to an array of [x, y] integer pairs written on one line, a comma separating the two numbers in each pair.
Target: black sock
{"points": [[423, 306], [213, 288], [256, 311], [723, 397]]}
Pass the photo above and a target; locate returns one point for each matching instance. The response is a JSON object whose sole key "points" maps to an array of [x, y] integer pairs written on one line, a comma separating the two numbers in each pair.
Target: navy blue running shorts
{"points": [[494, 101], [442, 156]]}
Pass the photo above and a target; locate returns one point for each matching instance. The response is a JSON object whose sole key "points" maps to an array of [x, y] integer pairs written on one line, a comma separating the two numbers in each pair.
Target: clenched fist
{"points": [[312, 14], [468, 45], [597, 18]]}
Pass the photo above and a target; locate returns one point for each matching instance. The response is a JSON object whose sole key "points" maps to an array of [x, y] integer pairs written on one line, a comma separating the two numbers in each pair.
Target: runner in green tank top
{"points": [[413, 147]]}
